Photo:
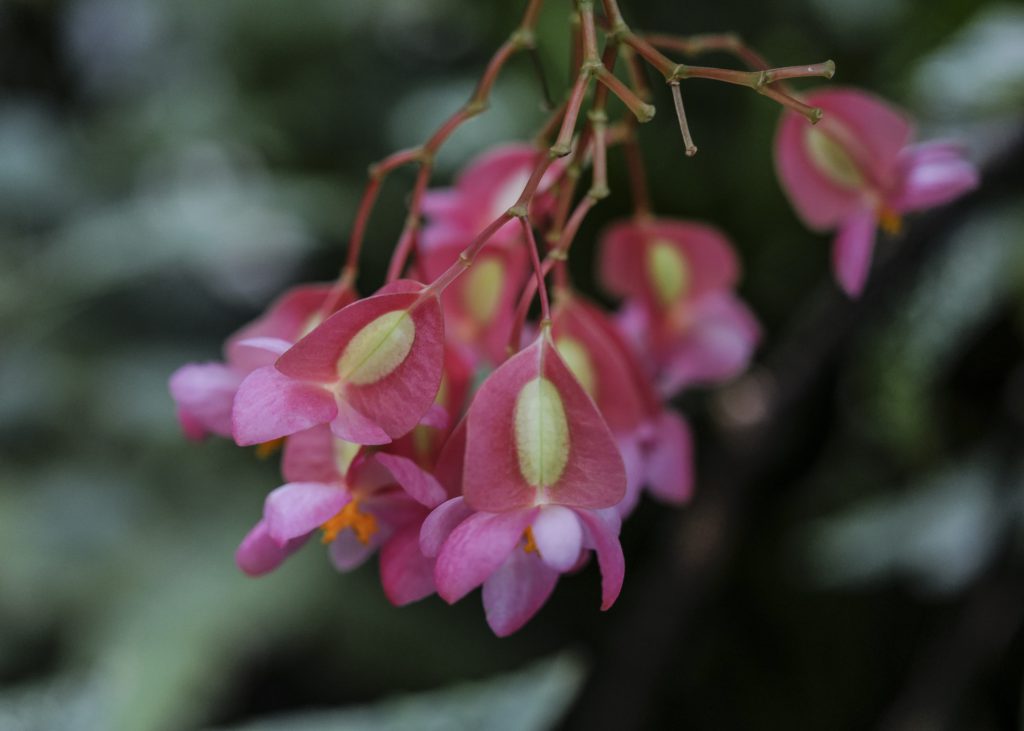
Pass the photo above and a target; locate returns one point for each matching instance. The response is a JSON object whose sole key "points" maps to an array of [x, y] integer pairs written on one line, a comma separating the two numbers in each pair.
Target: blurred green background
{"points": [[854, 559]]}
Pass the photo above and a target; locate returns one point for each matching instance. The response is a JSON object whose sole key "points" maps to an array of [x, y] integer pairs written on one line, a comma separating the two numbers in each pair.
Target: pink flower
{"points": [[360, 502], [205, 392], [539, 465], [371, 370], [855, 171], [680, 315]]}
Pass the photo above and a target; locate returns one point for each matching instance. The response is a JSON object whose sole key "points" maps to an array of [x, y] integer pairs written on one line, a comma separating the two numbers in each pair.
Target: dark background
{"points": [[853, 558]]}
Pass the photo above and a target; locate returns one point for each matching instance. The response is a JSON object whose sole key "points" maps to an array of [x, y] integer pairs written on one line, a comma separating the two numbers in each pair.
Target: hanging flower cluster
{"points": [[473, 442]]}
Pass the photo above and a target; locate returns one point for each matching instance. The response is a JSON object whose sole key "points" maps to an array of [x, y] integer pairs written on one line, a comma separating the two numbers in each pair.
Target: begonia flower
{"points": [[540, 469], [371, 371], [856, 171], [359, 502], [680, 314]]}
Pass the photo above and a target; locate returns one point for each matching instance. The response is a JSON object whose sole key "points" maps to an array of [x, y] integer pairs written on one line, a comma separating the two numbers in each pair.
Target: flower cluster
{"points": [[474, 443]]}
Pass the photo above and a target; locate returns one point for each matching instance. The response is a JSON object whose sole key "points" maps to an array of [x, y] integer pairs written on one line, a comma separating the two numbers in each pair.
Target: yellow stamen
{"points": [[269, 449], [531, 545], [890, 221], [364, 525]]}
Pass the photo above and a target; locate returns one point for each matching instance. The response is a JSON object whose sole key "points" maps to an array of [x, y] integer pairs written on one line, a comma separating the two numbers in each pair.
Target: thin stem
{"points": [[684, 127], [531, 245], [756, 79], [643, 111]]}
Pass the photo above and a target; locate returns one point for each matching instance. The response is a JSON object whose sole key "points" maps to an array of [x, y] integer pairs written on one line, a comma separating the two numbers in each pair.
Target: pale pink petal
{"points": [[419, 484], [932, 174], [636, 472], [354, 427], [717, 347], [609, 555], [348, 552], [559, 537], [259, 554], [475, 550], [266, 350], [204, 394], [852, 250], [405, 573], [516, 591], [670, 459], [270, 405], [440, 523], [436, 417], [299, 508]]}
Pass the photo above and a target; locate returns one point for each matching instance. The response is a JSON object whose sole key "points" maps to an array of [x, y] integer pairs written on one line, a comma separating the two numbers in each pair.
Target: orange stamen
{"points": [[531, 545], [269, 449], [890, 221], [364, 525]]}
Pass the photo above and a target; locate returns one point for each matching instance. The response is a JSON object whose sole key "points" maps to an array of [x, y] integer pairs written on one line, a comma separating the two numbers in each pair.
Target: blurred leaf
{"points": [[530, 700]]}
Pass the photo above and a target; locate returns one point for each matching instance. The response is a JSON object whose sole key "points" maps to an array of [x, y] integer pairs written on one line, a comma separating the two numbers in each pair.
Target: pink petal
{"points": [[309, 456], [452, 459], [436, 417], [265, 350], [354, 427], [204, 394], [559, 537], [259, 554], [475, 550], [717, 347], [593, 474], [440, 523], [636, 472], [516, 592], [419, 484], [348, 552], [405, 573], [270, 405], [299, 508], [670, 459], [852, 250], [933, 174], [609, 555]]}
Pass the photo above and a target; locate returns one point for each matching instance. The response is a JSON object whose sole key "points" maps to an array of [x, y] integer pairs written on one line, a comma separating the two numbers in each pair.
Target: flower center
{"points": [[668, 272], [890, 221], [531, 545], [378, 349], [541, 433], [364, 525]]}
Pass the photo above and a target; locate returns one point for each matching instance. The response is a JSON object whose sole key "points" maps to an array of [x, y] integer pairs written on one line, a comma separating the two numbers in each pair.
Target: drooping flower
{"points": [[856, 171], [680, 314], [540, 469], [360, 502], [371, 371], [205, 392]]}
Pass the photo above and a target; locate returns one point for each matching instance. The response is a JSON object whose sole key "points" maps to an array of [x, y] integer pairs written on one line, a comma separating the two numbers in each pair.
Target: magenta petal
{"points": [[516, 592], [609, 555], [852, 250], [353, 427], [670, 459], [299, 508], [204, 394], [405, 573], [933, 173], [559, 537], [259, 554], [445, 518], [419, 484], [475, 550], [269, 405]]}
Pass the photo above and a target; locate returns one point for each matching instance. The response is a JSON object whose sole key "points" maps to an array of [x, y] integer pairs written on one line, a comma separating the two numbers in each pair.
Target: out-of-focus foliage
{"points": [[166, 167]]}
